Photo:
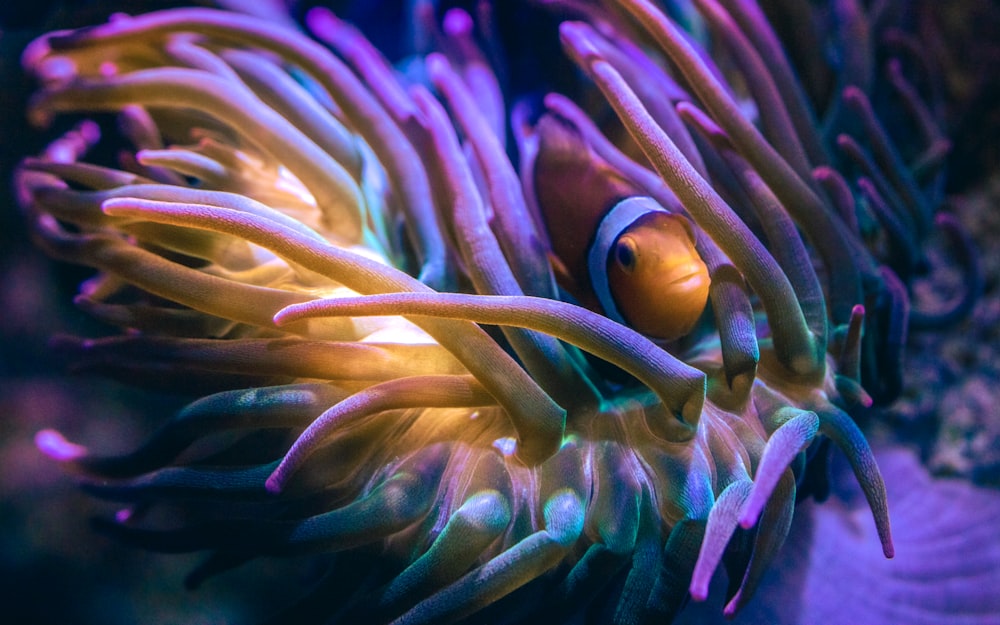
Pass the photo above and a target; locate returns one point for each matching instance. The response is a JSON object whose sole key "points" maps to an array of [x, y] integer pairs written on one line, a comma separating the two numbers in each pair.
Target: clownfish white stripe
{"points": [[618, 219]]}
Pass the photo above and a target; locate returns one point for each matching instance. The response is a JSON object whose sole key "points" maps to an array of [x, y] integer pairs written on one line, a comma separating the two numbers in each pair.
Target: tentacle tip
{"points": [[321, 21], [734, 605], [853, 95], [274, 484], [822, 172], [437, 65], [457, 22], [115, 206], [89, 131], [50, 70], [55, 446], [888, 548], [699, 587], [554, 101], [574, 36], [528, 453], [684, 107], [852, 392], [570, 28], [286, 315], [751, 512], [864, 399]]}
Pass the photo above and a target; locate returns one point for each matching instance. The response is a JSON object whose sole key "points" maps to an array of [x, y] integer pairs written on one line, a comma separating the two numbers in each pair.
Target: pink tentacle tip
{"points": [[437, 64], [750, 514], [322, 23], [53, 70], [107, 69], [287, 315], [729, 612], [457, 23], [699, 586], [275, 483], [55, 446], [574, 35], [89, 131], [854, 96], [752, 508]]}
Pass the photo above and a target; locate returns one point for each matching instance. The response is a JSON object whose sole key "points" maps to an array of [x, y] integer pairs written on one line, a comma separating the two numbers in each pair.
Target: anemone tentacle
{"points": [[400, 368]]}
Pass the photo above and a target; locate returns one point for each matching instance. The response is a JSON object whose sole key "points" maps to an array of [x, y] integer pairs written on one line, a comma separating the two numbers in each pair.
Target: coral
{"points": [[361, 275]]}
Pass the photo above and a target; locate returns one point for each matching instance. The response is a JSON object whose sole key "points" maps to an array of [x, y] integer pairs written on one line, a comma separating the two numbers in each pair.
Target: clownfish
{"points": [[615, 250]]}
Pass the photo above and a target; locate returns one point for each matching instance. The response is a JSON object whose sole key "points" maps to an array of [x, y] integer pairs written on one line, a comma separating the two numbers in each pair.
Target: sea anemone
{"points": [[404, 380]]}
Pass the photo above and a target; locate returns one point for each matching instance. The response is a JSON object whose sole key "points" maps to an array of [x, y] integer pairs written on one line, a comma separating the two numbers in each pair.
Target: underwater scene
{"points": [[500, 312]]}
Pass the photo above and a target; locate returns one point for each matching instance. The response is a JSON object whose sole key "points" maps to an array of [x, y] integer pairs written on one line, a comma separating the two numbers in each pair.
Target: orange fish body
{"points": [[621, 252]]}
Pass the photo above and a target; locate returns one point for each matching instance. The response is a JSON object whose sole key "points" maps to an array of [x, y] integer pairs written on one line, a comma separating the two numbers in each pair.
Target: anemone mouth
{"points": [[326, 199]]}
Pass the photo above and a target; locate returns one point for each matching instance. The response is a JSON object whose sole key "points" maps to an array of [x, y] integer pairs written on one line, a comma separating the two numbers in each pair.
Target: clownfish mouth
{"points": [[680, 281], [688, 276]]}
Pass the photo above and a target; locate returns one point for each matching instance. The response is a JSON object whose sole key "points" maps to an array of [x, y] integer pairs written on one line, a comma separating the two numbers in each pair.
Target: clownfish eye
{"points": [[625, 253]]}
